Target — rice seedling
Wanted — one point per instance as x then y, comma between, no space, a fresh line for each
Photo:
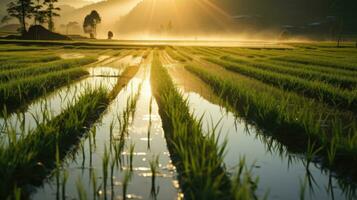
82,195
94,184
126,179
38,147
15,62
131,155
201,177
174,55
19,92
64,182
319,62
333,79
38,69
323,92
105,164
154,165
266,110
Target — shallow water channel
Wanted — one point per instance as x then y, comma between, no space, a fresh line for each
144,141
282,174
103,75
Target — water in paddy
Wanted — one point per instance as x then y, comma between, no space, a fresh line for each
280,172
145,134
103,75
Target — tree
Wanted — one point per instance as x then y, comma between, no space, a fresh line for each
39,14
21,10
110,35
51,13
344,10
90,23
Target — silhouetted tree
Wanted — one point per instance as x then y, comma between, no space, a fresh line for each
21,10
51,12
110,35
90,23
39,14
344,10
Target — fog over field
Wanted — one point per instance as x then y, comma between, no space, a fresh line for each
204,19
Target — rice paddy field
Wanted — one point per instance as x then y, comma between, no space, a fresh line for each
178,121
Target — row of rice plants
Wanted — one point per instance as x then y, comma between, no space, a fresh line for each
333,79
286,115
37,69
319,62
27,158
31,156
314,68
16,93
174,54
198,158
16,61
342,98
182,53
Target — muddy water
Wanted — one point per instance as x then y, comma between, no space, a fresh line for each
281,173
103,75
145,132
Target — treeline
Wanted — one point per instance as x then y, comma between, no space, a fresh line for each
39,11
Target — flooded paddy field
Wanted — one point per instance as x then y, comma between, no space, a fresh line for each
275,121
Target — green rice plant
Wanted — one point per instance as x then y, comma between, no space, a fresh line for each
323,92
154,165
323,70
319,62
311,152
39,69
301,117
19,92
131,155
64,182
82,194
201,177
333,79
38,147
94,184
105,164
126,180
183,53
16,62
243,183
174,55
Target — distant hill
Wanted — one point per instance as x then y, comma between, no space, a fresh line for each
192,17
11,28
174,17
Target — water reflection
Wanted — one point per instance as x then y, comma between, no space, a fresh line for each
283,174
127,170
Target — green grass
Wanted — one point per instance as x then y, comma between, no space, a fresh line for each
26,158
201,177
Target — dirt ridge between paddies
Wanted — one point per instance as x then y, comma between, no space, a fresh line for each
30,159
197,156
